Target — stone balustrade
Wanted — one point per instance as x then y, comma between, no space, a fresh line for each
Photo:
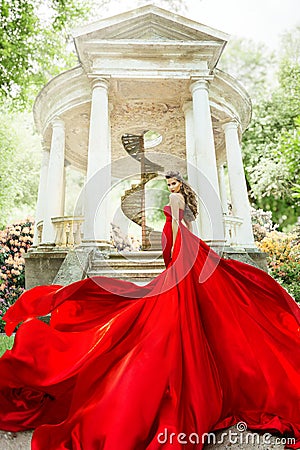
232,223
68,230
39,231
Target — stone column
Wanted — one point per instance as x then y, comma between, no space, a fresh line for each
191,157
238,187
55,181
42,192
222,186
210,208
223,196
98,181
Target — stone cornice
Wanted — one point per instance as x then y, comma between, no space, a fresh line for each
73,88
130,58
145,35
125,20
65,91
235,101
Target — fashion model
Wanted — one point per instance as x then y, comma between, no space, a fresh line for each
206,344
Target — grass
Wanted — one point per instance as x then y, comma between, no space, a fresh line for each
5,343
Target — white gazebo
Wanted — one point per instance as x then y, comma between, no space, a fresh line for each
144,69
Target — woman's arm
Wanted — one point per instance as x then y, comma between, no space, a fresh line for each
175,202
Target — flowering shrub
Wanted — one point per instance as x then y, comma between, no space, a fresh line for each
15,240
261,223
283,260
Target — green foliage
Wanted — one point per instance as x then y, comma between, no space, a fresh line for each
19,166
15,241
271,143
33,48
288,275
271,148
6,343
251,63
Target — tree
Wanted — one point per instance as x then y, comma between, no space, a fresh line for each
19,174
252,64
34,35
271,147
33,44
271,143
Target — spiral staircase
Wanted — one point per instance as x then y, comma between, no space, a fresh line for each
133,200
139,267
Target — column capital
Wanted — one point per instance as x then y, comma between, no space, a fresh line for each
102,83
231,125
200,83
57,122
187,106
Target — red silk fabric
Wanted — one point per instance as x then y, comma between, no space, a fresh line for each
206,344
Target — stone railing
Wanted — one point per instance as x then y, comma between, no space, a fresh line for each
67,230
39,231
231,226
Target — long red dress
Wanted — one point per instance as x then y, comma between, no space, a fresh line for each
206,344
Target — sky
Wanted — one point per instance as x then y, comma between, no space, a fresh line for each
260,20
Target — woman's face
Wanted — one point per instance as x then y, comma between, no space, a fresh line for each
173,184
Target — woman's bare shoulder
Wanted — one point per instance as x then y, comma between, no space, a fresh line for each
176,198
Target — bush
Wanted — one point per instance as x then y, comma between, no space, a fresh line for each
283,260
261,223
15,240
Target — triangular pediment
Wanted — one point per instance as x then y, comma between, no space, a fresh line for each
150,23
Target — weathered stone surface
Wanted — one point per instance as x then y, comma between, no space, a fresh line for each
42,267
256,259
140,266
234,440
74,266
15,441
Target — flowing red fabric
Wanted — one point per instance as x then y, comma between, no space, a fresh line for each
208,343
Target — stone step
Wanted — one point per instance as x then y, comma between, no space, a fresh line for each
126,268
127,262
140,266
148,255
129,275
128,272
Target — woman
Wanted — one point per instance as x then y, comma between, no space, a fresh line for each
129,367
182,201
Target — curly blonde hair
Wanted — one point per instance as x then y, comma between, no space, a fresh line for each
190,199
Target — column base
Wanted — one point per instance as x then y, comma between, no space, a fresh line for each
46,247
215,242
